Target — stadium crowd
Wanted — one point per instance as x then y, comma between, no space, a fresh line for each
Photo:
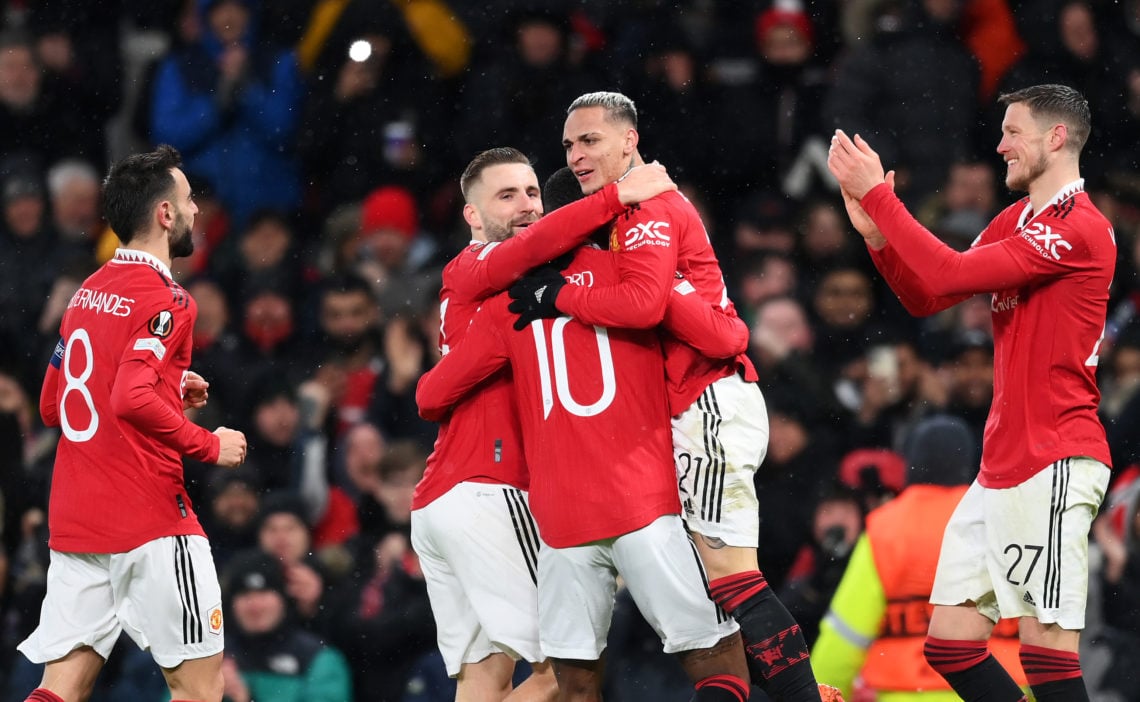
324,140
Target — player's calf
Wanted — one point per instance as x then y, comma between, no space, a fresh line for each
777,652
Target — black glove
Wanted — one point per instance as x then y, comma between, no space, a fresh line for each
533,296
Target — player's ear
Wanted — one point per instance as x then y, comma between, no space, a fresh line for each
166,214
1058,135
631,140
471,216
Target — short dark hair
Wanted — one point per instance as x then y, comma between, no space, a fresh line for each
134,186
346,284
484,160
1059,102
560,189
619,108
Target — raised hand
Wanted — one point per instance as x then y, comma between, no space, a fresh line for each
854,164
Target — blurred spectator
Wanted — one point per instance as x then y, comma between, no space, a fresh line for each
389,245
27,583
351,342
230,104
216,353
30,260
925,119
284,533
771,120
672,97
895,387
1116,534
762,277
78,46
385,486
837,523
825,236
875,475
265,252
765,223
381,615
842,311
372,117
269,342
961,210
268,655
800,461
73,187
520,97
782,347
38,125
230,517
970,380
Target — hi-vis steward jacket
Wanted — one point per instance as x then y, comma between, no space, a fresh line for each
876,625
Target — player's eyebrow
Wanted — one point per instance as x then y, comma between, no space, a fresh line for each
508,189
580,137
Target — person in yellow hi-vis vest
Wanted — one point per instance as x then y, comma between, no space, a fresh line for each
876,625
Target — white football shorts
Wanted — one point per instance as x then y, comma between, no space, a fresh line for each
478,548
164,594
718,444
661,570
1023,551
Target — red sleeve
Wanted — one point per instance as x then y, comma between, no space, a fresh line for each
646,240
914,295
482,353
702,325
135,399
49,409
942,270
499,264
49,404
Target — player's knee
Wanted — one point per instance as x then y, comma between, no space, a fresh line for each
948,657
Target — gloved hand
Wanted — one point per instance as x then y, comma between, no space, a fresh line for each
533,296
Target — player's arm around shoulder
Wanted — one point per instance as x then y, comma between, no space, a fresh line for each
644,242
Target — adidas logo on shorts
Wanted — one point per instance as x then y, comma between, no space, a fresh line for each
1029,598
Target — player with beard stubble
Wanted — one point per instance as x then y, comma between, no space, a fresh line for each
127,550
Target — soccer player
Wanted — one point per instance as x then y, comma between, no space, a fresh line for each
1017,544
127,551
719,420
594,418
471,524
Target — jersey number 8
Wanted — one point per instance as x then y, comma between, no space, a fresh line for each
78,384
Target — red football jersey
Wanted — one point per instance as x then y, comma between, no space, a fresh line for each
1049,274
656,240
479,440
593,409
115,388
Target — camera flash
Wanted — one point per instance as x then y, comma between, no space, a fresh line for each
360,50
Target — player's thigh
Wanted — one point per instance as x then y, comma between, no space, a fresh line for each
78,609
478,548
576,588
168,598
718,444
1037,534
660,567
962,575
